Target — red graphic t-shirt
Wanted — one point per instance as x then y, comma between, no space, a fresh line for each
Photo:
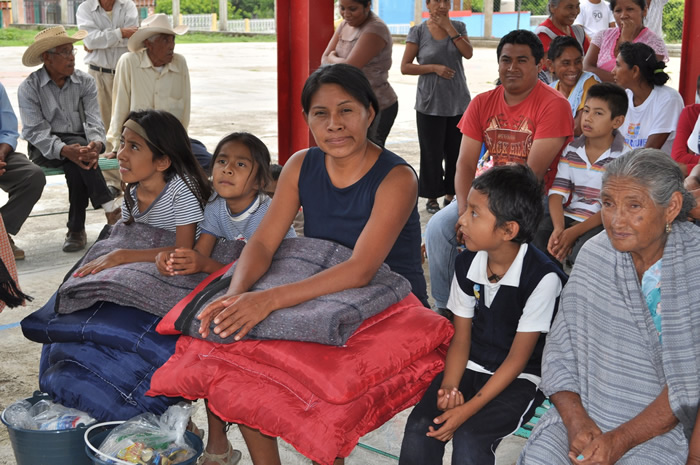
508,131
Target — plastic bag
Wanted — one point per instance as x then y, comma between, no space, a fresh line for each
45,415
148,438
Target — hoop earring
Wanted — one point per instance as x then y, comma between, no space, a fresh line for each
669,228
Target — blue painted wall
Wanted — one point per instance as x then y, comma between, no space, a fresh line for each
401,12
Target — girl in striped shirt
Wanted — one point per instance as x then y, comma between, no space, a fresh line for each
240,173
166,187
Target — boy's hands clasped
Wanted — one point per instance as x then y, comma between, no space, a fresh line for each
449,399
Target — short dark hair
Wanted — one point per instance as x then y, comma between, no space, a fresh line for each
612,94
258,150
522,37
515,194
350,78
559,44
364,3
275,171
644,57
640,3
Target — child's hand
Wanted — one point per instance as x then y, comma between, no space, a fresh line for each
449,397
450,420
101,263
185,261
566,244
553,243
162,263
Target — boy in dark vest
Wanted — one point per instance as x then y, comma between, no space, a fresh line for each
504,296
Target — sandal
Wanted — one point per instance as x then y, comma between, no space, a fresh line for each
230,457
432,206
192,428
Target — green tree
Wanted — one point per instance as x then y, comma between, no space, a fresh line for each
673,21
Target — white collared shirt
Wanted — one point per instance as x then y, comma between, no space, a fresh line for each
104,37
138,85
538,311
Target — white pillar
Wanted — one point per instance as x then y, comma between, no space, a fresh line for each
176,13
64,11
418,12
15,11
488,18
223,15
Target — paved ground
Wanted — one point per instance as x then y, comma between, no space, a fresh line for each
233,89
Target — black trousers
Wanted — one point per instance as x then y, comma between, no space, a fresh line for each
439,140
475,441
83,185
381,126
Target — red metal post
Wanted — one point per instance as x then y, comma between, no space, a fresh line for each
690,51
304,28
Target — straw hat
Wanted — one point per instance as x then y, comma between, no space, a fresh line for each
154,24
46,40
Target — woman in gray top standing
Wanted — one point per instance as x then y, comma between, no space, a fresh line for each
364,41
442,96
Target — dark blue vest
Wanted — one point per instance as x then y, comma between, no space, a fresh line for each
494,328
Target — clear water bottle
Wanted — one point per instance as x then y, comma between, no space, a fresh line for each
18,415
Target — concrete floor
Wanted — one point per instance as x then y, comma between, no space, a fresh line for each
233,89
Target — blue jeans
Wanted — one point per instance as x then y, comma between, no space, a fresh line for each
441,248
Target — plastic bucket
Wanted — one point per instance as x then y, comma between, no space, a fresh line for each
95,435
31,447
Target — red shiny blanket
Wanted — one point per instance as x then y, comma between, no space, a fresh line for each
319,398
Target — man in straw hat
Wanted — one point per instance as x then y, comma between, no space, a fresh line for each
153,77
62,126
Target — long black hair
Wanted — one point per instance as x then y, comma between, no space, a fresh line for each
168,138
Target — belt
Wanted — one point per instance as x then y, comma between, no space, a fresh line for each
101,70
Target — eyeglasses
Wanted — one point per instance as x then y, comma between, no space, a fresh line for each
66,53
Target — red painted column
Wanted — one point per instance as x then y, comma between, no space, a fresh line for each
304,28
690,51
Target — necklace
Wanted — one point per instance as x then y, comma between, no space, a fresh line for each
493,277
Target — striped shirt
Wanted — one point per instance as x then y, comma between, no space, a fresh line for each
175,206
47,109
220,222
582,180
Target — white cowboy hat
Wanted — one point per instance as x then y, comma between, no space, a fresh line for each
154,24
46,40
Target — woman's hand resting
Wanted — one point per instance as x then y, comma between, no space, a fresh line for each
235,313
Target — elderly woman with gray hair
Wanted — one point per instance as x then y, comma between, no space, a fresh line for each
622,361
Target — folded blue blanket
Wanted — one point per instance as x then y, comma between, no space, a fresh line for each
101,359
329,319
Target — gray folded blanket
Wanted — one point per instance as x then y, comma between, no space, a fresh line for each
138,285
330,319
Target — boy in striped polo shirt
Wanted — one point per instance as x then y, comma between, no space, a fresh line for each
574,198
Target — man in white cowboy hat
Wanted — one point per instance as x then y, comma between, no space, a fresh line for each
62,126
153,77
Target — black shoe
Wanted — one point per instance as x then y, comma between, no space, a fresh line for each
446,202
114,191
75,241
432,206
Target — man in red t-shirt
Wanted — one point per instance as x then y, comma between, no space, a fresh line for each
521,121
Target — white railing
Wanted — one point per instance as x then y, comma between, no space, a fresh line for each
399,28
210,23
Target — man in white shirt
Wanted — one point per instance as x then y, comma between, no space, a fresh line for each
595,16
109,24
654,19
151,76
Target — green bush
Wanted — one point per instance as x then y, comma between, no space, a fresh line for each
237,9
673,21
